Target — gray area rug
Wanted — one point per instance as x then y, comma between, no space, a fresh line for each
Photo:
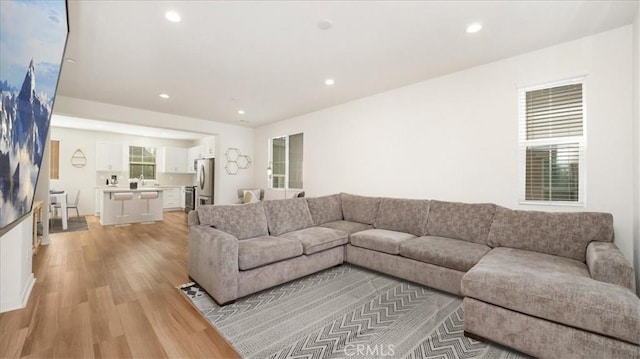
74,224
345,312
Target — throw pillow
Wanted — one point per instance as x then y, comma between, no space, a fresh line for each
250,196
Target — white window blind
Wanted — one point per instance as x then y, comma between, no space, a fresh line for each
552,146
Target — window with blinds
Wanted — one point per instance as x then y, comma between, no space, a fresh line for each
552,143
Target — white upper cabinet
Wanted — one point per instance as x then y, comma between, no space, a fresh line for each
174,160
109,156
192,155
208,147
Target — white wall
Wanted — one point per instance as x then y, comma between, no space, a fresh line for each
636,99
16,274
227,136
456,137
16,277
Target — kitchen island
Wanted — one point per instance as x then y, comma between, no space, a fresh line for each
140,208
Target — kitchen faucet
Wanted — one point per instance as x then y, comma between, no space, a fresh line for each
141,179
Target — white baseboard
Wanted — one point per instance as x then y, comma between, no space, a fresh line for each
21,302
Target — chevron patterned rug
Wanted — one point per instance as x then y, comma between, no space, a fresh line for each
345,312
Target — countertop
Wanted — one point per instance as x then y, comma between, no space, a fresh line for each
146,188
125,189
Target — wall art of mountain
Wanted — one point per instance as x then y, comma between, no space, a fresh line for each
28,30
24,119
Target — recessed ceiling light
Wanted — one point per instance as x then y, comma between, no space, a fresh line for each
329,82
325,24
172,16
164,95
473,28
240,112
71,60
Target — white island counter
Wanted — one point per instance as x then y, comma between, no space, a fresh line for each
135,209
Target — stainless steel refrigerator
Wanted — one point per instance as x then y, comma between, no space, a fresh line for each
204,185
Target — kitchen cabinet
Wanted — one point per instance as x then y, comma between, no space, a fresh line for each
208,147
171,198
174,160
193,153
109,156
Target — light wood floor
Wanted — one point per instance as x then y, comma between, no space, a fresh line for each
110,292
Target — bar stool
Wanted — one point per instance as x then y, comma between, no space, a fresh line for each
122,196
148,196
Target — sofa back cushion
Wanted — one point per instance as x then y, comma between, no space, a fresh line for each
359,208
287,215
403,215
325,209
561,234
242,221
466,221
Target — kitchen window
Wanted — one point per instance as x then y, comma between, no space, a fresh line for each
285,161
552,143
142,161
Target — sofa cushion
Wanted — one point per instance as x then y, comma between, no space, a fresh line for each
316,239
347,226
325,209
466,221
554,288
562,234
256,252
242,221
381,240
445,252
403,215
359,208
287,215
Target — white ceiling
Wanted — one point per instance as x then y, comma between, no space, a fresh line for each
271,59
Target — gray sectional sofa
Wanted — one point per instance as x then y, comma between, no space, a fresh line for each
548,284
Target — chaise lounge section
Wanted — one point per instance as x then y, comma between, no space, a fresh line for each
547,284
554,275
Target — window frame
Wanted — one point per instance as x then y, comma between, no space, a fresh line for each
143,163
524,144
270,174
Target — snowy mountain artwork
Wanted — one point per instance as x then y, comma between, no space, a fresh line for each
32,38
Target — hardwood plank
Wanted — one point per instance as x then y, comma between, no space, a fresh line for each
44,325
116,348
140,335
74,338
105,320
11,343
